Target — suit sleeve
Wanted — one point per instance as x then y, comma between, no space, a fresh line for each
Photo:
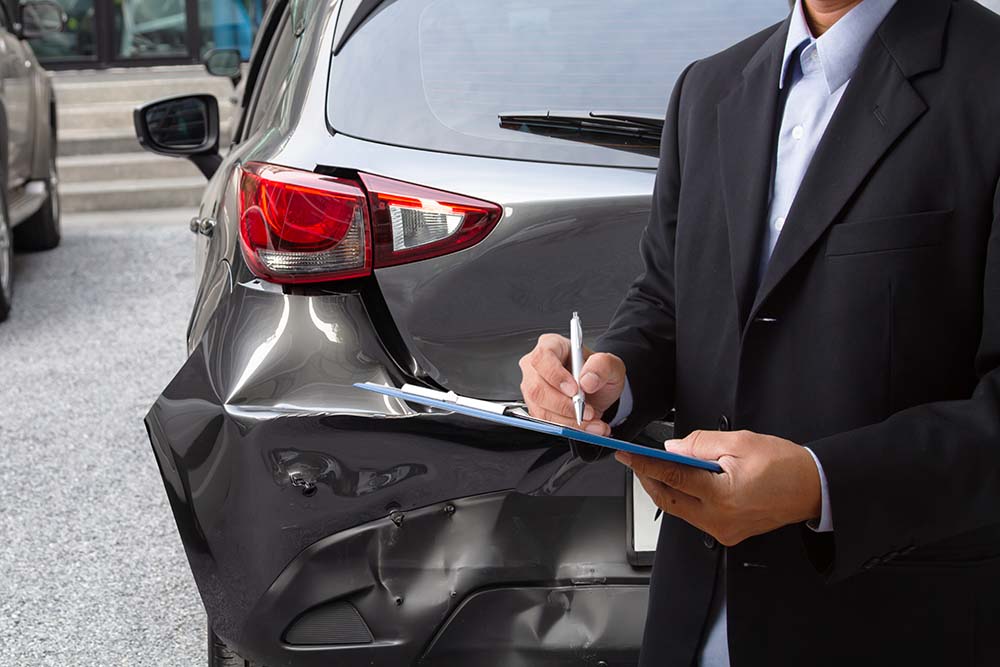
925,474
642,331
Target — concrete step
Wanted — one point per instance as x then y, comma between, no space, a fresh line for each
112,115
88,142
175,217
131,194
84,88
161,72
117,140
126,166
102,167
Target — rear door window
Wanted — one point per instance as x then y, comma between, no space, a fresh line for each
272,85
436,74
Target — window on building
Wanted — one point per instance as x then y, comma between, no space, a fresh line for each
77,41
112,32
229,24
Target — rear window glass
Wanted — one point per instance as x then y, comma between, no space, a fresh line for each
435,74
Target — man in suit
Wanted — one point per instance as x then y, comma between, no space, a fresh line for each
820,304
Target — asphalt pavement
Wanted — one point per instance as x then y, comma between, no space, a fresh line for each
92,571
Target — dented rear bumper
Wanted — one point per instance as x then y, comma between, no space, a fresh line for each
499,579
325,525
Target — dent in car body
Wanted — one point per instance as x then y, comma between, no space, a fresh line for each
267,451
510,579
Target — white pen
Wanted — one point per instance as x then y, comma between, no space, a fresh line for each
576,345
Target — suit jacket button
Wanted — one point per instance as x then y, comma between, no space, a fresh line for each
723,423
708,541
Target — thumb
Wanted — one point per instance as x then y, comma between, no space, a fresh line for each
705,445
600,370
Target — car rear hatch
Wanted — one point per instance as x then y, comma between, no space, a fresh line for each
512,86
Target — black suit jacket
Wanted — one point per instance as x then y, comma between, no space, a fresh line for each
874,339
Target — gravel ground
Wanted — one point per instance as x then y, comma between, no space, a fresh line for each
92,571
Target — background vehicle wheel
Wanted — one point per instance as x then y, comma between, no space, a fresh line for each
42,231
6,261
220,655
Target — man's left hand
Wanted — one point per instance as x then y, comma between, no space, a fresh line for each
768,482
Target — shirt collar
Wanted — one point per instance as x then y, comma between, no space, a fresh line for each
840,47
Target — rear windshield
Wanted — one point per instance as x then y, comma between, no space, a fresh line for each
435,74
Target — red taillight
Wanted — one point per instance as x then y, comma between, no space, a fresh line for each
299,226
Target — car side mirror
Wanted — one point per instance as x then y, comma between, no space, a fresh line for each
185,126
41,17
225,62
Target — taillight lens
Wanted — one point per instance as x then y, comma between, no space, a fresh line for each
299,226
412,222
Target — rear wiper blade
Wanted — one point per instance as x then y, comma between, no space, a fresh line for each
651,120
613,129
613,119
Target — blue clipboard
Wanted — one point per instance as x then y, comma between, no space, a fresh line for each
543,427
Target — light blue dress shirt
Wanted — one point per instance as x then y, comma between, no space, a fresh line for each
814,75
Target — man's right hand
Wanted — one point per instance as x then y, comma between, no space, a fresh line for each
548,386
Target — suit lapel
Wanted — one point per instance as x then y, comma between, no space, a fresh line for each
879,105
748,121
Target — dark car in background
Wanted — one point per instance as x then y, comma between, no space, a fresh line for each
415,191
29,196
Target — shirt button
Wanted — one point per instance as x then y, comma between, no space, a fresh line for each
723,423
778,224
798,132
708,541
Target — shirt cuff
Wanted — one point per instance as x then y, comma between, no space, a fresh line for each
825,523
624,406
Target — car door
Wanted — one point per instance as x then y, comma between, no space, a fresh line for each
15,90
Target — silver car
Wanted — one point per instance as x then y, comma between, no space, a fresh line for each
416,189
29,196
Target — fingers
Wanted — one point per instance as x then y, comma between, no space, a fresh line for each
542,373
540,396
599,370
595,426
556,344
696,512
707,445
551,368
672,501
548,386
701,484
